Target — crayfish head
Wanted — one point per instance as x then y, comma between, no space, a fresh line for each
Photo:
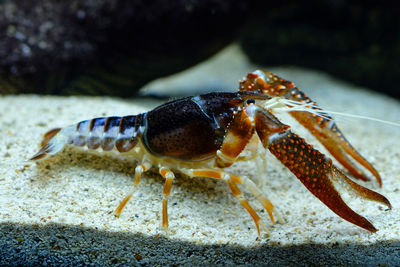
266,83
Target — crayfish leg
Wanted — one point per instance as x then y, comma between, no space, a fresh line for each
317,173
141,168
169,178
231,181
268,206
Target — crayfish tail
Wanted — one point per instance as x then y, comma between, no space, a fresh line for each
51,144
317,173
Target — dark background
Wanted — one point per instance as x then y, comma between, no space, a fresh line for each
109,47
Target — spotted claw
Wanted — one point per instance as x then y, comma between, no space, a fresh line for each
320,176
323,128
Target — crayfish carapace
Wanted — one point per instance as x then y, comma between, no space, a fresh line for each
202,135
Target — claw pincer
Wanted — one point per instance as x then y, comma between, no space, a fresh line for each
318,174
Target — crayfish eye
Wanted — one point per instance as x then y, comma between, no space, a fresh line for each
250,101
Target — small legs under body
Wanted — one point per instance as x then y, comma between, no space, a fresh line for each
231,181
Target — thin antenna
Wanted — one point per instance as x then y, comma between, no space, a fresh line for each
287,105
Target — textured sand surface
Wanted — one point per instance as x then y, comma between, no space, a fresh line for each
60,211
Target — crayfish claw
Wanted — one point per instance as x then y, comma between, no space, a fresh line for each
334,141
318,173
318,122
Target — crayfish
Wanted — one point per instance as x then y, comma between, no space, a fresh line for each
201,135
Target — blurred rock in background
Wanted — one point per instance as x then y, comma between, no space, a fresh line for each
108,47
104,47
358,41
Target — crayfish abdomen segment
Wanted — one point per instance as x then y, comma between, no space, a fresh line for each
108,132
122,133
